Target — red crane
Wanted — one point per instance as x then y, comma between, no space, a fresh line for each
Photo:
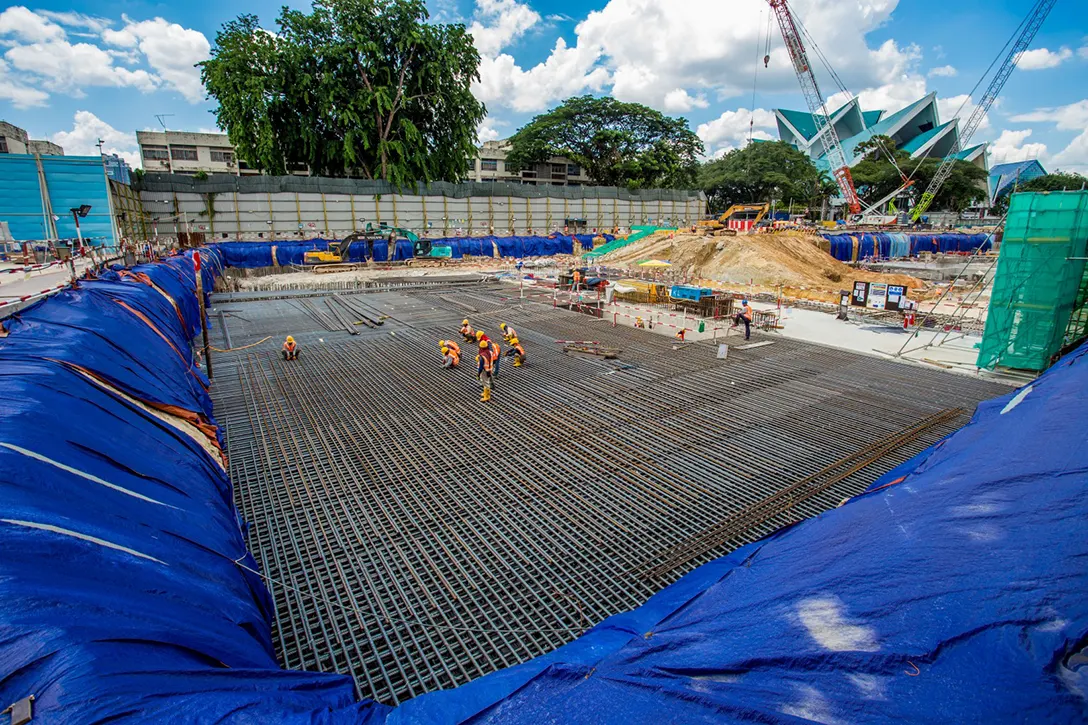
836,157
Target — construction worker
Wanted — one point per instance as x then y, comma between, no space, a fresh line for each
680,334
290,349
639,323
451,353
485,369
508,333
467,332
576,283
481,336
516,351
745,316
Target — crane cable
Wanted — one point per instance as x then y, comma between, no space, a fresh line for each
755,75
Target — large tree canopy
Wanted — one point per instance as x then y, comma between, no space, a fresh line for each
763,172
618,144
875,176
363,87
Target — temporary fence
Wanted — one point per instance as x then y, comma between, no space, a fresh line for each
1037,305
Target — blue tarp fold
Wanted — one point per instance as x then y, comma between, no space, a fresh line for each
888,245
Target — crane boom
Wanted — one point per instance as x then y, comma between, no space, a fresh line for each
811,90
1031,27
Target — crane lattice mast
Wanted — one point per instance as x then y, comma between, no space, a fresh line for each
832,145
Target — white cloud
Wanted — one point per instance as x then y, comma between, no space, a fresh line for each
647,49
1041,58
76,20
1082,52
171,50
72,67
500,22
486,131
944,71
680,100
20,95
87,129
1072,117
960,107
1010,146
28,26
730,130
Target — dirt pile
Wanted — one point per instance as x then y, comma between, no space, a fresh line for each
788,259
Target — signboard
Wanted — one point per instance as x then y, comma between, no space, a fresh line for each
723,351
860,294
878,295
897,294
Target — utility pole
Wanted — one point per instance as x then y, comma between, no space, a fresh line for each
203,317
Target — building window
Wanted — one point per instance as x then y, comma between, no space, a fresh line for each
573,169
3,145
528,174
489,165
183,153
223,157
155,154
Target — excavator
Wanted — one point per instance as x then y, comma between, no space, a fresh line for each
718,226
336,258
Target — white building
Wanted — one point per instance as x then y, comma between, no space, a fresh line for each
490,165
14,140
180,152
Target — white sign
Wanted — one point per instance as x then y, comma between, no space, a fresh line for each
723,351
878,295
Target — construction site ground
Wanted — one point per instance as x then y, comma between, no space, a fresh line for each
416,538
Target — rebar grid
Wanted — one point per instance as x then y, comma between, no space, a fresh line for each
426,538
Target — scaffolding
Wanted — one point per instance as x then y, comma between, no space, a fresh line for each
1038,302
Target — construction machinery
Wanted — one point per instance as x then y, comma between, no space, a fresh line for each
338,251
1028,28
720,225
825,130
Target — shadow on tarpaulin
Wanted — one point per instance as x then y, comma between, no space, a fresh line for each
954,586
249,255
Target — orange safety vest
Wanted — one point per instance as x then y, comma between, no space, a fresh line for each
456,355
454,347
747,312
467,331
495,349
290,346
487,357
520,350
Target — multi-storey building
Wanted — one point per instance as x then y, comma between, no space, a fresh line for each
490,165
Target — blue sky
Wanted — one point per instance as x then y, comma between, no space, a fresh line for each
78,71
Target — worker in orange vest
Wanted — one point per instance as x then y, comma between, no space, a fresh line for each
467,332
680,334
451,353
745,316
485,369
290,349
516,351
576,283
508,333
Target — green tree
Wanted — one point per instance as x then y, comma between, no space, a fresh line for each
875,176
1060,181
356,86
618,144
763,172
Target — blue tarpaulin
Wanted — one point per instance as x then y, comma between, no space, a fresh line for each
953,590
888,245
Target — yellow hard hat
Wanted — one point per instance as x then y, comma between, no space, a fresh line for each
483,344
502,325
479,334
290,339
464,322
441,343
445,349
514,341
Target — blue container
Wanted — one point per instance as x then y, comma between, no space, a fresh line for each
689,292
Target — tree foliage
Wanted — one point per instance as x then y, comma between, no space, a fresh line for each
763,172
875,176
1060,181
618,144
363,87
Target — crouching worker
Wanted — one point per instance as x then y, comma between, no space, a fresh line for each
485,369
467,332
290,349
517,352
451,353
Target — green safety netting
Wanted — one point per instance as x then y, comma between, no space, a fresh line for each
637,233
1038,303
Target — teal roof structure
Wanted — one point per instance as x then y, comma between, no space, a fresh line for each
803,122
871,117
921,140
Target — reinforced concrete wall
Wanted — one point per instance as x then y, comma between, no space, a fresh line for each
236,208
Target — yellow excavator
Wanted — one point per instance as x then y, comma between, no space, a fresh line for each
718,225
